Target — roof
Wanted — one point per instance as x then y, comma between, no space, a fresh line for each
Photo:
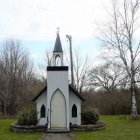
76,93
58,46
70,88
45,88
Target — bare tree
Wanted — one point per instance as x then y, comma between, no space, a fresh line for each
107,76
15,72
48,58
81,68
43,66
119,39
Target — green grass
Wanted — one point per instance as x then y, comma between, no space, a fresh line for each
117,128
7,134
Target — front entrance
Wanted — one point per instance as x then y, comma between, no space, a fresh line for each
58,111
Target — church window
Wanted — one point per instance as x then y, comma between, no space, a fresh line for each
58,60
74,111
43,111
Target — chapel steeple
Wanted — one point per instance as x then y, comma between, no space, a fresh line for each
58,52
58,46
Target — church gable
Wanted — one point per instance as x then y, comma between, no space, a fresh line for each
44,90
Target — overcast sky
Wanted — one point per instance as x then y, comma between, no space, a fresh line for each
34,22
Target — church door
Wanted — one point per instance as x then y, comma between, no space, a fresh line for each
58,111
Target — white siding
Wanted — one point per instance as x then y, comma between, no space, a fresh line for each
58,80
75,100
39,102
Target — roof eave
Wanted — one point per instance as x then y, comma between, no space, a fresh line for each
36,97
76,92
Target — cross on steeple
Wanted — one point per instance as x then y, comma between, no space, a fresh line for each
58,30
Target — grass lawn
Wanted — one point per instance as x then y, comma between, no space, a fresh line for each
7,134
117,128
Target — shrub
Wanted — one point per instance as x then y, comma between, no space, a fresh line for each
28,117
89,116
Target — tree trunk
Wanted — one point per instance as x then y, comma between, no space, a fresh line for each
134,113
5,109
134,107
2,107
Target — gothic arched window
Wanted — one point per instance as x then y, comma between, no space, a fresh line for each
58,60
74,111
43,111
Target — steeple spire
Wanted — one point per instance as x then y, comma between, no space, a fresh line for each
58,52
58,46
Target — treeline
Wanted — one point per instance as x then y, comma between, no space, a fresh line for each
115,103
106,87
18,82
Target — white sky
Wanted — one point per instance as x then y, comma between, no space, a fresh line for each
38,19
34,22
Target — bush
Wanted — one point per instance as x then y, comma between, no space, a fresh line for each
89,117
28,117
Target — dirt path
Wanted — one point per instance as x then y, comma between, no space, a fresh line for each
57,136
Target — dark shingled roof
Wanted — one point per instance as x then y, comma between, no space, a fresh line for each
70,88
58,46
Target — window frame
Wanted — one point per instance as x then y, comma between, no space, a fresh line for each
74,111
43,111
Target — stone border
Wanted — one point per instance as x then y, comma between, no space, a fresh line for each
32,128
92,127
74,128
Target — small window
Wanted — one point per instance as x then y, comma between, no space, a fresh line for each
58,61
43,111
74,111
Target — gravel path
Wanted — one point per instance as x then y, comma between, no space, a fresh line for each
57,136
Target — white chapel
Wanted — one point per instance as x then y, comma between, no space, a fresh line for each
58,104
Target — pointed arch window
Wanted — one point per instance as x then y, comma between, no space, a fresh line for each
43,111
58,60
74,111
